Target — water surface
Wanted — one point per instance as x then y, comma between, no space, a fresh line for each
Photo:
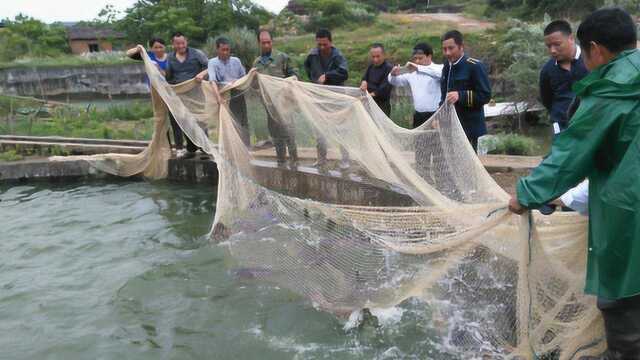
126,271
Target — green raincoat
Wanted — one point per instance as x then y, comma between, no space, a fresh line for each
602,143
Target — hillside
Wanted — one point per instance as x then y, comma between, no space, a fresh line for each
398,33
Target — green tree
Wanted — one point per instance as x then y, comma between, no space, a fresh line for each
27,37
197,19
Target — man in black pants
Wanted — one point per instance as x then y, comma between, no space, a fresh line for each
325,65
184,64
466,85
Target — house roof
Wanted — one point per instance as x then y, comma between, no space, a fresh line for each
91,33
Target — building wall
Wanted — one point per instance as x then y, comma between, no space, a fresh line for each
79,47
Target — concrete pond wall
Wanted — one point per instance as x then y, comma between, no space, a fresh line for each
122,79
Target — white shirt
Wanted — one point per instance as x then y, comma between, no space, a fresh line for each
578,198
425,86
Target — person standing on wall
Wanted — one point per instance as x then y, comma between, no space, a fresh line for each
225,69
466,85
374,80
325,65
276,63
184,63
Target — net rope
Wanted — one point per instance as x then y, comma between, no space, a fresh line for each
508,286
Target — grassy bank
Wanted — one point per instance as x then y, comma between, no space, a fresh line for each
30,117
104,59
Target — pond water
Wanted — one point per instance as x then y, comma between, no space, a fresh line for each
125,271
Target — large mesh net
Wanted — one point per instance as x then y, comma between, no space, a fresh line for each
497,285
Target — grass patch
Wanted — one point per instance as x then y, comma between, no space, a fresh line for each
10,155
513,144
115,58
132,121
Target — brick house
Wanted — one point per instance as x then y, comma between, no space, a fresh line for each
84,39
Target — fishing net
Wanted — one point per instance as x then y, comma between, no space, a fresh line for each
415,215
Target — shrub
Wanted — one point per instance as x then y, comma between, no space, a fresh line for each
244,45
10,155
514,144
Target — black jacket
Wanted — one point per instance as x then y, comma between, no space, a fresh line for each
469,78
336,69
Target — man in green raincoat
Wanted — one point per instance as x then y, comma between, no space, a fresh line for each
602,143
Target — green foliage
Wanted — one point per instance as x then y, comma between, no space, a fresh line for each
522,55
514,144
92,59
25,36
10,155
332,14
197,19
244,45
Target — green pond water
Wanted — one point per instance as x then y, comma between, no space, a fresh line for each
126,271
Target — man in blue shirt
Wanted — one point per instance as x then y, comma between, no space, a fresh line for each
225,69
558,75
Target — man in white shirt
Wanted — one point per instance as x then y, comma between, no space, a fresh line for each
424,80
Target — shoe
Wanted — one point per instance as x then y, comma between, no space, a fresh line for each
180,152
344,164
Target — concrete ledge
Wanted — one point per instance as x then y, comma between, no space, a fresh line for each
304,182
330,186
46,170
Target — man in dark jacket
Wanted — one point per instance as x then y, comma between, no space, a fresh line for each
326,65
465,83
184,63
558,75
375,80
602,143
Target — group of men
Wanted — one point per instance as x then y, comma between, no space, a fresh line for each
591,90
462,81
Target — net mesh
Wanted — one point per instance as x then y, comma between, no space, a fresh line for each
498,285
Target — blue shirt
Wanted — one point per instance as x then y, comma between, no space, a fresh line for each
161,64
225,72
555,87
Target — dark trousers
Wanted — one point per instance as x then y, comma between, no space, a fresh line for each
385,106
622,327
283,137
420,118
179,137
238,107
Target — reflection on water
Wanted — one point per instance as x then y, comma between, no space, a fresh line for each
125,271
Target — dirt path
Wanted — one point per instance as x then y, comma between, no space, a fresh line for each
459,20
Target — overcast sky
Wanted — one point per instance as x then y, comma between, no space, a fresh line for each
75,10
